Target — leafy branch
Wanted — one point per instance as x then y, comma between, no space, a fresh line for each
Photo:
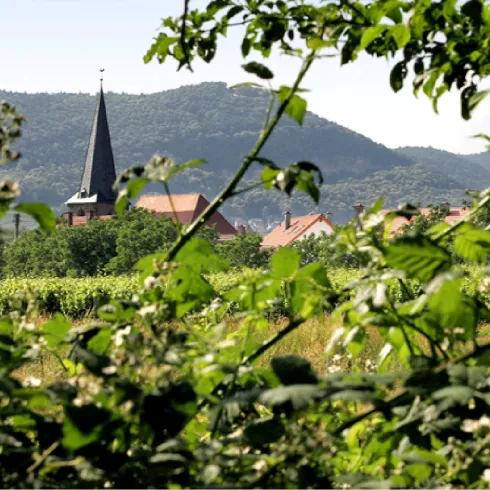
230,187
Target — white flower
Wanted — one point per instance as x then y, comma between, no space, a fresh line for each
486,475
120,334
78,402
109,370
337,358
150,282
146,310
127,406
32,381
484,421
484,285
470,425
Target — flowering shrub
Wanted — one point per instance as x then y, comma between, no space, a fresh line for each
160,393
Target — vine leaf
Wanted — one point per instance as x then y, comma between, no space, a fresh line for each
418,256
258,69
42,213
296,108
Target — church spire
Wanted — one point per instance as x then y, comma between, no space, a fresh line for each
99,174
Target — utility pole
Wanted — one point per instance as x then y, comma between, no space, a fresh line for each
16,225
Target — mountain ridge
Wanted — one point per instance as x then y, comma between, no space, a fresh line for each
219,124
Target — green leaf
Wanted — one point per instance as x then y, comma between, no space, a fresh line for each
234,11
135,186
122,204
210,473
246,84
354,395
55,330
268,176
147,264
370,34
472,243
100,342
397,75
285,262
296,108
315,43
297,396
246,45
457,394
258,69
200,255
308,290
73,439
293,370
395,15
42,213
476,98
450,308
418,256
401,34
264,431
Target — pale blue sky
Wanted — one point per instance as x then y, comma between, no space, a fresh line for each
59,45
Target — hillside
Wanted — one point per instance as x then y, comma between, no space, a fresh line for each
482,159
219,124
467,172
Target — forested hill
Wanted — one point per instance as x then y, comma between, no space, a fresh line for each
219,124
463,168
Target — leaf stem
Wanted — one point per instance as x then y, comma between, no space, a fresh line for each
183,43
293,325
174,212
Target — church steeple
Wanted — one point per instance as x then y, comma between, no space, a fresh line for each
95,195
99,173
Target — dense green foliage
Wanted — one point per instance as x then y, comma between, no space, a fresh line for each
218,123
102,247
161,393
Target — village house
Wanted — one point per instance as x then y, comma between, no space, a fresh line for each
186,208
294,228
96,198
451,214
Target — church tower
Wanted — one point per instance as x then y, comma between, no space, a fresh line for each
95,196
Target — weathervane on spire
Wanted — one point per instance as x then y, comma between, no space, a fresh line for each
101,75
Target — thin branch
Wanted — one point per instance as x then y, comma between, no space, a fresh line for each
174,212
293,325
251,187
43,456
183,43
269,108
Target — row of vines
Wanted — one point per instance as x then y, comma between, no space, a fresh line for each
78,298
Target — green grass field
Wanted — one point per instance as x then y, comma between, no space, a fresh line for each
79,299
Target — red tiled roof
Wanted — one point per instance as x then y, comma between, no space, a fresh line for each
455,214
187,208
280,237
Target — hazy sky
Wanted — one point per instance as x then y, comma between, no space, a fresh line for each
59,45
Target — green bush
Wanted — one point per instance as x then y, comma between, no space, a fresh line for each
164,389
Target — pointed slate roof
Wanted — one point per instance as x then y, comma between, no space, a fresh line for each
99,173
